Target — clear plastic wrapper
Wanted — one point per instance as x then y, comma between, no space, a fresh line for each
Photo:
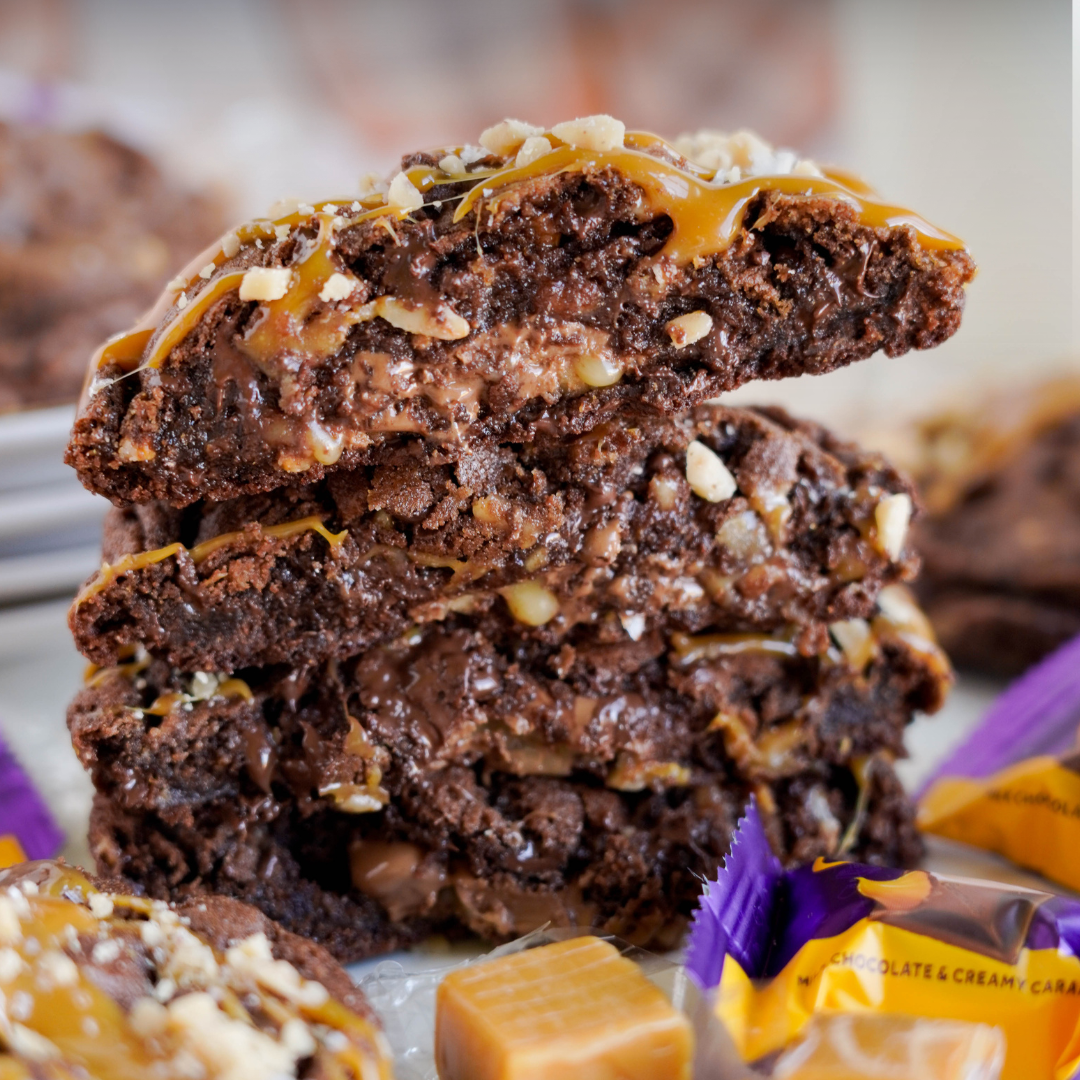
405,1002
839,969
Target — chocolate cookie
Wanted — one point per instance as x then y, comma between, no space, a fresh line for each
736,517
631,714
101,982
530,287
90,231
498,858
1002,544
408,744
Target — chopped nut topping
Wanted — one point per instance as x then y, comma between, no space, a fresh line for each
532,149
338,287
740,155
182,301
856,639
265,283
634,625
10,928
281,232
531,603
687,329
599,132
892,516
370,183
504,138
230,245
101,906
452,165
404,194
707,475
441,322
207,271
130,451
285,207
596,370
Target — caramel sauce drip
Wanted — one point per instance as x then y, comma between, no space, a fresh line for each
109,572
706,218
689,649
91,1033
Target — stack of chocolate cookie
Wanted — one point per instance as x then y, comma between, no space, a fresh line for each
435,595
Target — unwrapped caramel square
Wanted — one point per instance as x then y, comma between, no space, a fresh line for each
575,1010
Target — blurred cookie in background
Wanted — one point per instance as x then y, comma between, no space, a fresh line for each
1001,541
90,230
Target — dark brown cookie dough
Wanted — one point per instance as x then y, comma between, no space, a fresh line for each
90,231
631,715
604,527
498,858
1002,544
513,304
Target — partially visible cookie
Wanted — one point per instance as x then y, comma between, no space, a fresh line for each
95,981
90,230
1001,544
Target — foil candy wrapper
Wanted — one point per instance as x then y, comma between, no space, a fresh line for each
27,829
786,955
1013,786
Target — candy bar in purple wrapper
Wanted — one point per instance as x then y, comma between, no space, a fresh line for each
984,975
1013,787
23,814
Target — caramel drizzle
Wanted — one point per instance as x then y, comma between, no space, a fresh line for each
230,689
706,218
57,912
109,572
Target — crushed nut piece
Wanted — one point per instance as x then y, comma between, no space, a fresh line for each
892,516
596,370
707,475
531,603
688,328
230,245
370,184
505,137
533,148
337,287
452,165
101,906
265,283
855,638
207,271
129,450
281,232
440,322
403,193
285,207
599,132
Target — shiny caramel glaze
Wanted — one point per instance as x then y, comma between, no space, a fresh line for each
706,216
117,987
110,572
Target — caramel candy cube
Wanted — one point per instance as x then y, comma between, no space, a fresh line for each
575,1010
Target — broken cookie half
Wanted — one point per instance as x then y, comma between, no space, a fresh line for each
533,285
